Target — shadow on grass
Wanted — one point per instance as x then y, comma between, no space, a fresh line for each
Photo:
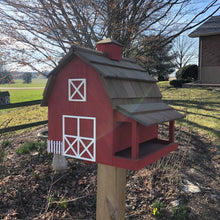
195,104
198,105
209,130
193,113
202,172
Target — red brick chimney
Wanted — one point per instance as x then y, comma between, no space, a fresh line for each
111,48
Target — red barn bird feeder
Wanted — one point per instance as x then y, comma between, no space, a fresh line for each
106,109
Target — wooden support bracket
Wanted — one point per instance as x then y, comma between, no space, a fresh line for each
134,142
171,131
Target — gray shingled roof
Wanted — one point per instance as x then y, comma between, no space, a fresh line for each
210,27
130,89
5,93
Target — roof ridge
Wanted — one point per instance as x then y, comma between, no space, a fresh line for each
76,48
79,48
119,66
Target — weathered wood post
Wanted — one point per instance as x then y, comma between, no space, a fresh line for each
111,183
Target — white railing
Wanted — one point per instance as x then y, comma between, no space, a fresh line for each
55,147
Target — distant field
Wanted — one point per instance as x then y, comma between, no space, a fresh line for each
200,105
22,95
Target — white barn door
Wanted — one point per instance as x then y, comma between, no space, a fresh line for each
79,137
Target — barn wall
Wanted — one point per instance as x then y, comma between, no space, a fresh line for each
97,105
123,134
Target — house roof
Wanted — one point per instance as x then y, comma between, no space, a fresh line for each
210,27
5,93
130,89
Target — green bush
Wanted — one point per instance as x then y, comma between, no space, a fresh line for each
27,77
179,212
157,209
179,74
30,146
5,143
189,72
163,78
27,148
2,155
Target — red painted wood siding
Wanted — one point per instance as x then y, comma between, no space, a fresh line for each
123,134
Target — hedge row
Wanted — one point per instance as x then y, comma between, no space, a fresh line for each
178,83
185,74
189,72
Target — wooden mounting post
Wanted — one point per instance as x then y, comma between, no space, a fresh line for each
111,183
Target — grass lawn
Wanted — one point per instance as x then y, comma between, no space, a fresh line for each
23,94
18,116
24,115
200,105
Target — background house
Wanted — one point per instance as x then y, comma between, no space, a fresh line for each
209,50
4,98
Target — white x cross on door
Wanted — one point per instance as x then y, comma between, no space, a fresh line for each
79,137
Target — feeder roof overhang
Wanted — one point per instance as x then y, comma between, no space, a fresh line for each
130,89
150,113
208,28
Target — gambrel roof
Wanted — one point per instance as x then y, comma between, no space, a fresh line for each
130,89
210,27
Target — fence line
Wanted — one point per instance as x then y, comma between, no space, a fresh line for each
20,104
23,126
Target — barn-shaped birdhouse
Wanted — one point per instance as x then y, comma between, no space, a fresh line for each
106,109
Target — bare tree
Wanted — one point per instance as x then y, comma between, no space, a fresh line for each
43,30
5,76
183,50
156,58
